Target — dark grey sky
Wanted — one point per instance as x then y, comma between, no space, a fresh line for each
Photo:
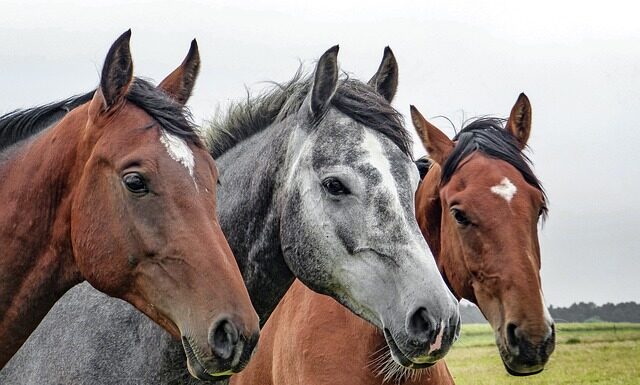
578,62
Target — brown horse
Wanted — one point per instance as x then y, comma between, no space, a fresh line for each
478,207
121,193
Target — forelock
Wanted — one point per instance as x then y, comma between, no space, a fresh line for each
488,136
355,99
172,116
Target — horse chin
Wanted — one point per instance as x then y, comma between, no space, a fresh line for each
513,367
522,374
196,367
399,357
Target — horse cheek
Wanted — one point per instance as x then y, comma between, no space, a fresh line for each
94,218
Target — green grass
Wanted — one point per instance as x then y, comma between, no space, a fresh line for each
589,353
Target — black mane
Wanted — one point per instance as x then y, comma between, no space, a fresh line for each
357,100
173,117
488,136
424,165
21,124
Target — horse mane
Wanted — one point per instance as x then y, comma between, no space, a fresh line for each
424,165
23,123
357,100
173,117
488,136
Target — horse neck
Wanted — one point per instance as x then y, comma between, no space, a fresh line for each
429,217
36,263
448,258
429,209
252,175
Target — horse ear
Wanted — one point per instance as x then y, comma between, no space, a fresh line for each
117,73
325,81
437,144
519,123
179,84
385,80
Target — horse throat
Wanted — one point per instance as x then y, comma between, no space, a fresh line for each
252,178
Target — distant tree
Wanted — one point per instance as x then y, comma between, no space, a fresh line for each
590,312
577,312
470,314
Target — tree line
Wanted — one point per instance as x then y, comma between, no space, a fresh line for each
577,312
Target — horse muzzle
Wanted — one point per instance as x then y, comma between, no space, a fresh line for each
521,356
227,352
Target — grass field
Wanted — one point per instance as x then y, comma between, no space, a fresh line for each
588,353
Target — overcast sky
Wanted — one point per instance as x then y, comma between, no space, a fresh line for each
578,62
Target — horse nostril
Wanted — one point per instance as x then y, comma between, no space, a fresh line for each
420,327
512,337
223,339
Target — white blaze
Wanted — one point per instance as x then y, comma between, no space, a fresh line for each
178,150
505,189
378,159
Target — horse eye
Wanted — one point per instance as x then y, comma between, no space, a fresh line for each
135,183
459,216
335,187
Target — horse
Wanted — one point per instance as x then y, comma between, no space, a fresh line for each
120,192
478,207
317,183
